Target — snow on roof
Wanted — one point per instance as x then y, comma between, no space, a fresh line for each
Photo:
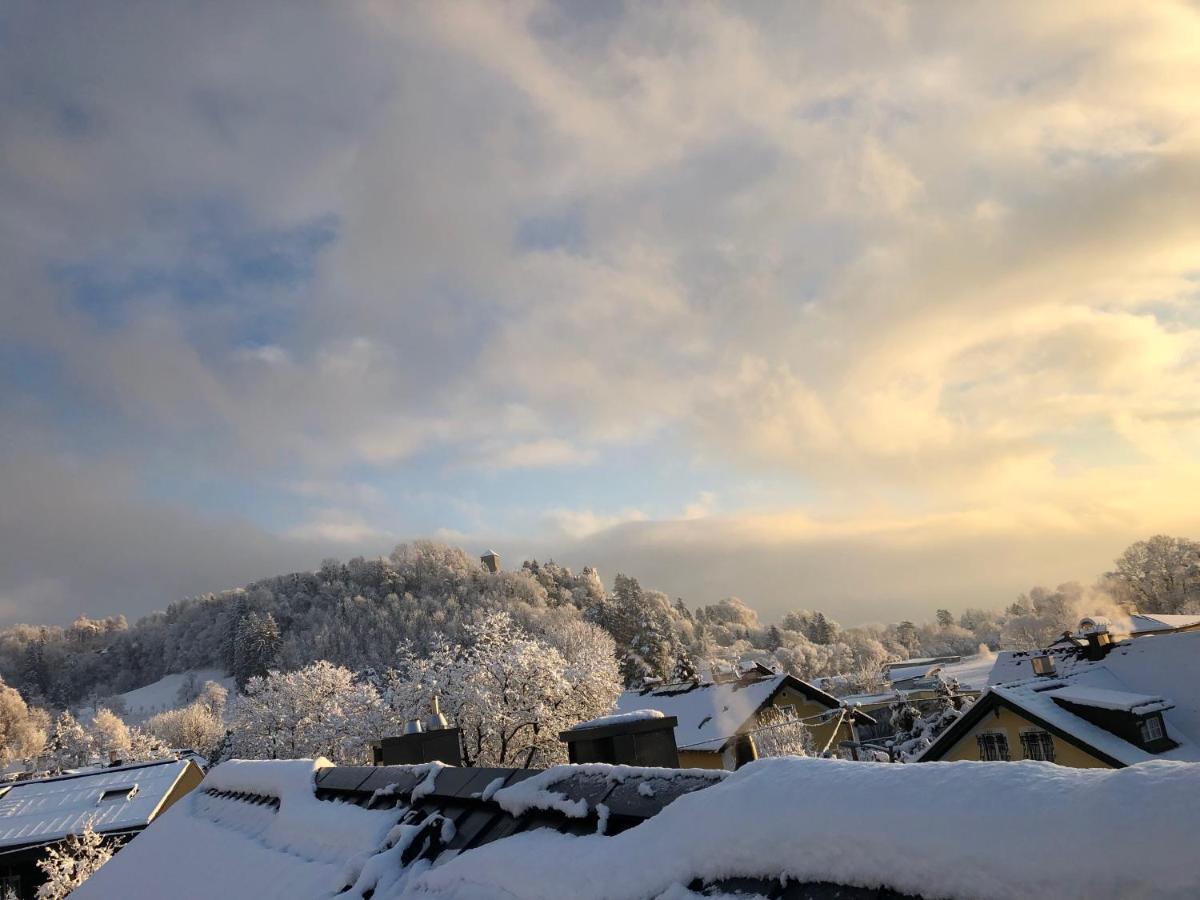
302,830
747,826
1101,698
636,715
972,672
49,809
920,661
1163,667
204,847
1142,622
904,674
709,714
743,824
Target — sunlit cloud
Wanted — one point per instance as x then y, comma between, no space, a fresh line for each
851,276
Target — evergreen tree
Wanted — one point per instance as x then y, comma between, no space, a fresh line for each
821,629
257,647
774,638
685,667
68,742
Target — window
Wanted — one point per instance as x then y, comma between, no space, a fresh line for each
788,712
993,747
1037,745
1152,729
125,792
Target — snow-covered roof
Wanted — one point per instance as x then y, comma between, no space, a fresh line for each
920,661
1101,698
1140,623
118,799
1145,674
711,714
970,673
303,829
260,831
908,672
637,715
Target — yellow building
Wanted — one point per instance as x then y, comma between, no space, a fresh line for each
715,718
1088,704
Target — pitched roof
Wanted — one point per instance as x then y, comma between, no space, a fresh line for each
1142,675
303,831
710,715
1141,623
123,798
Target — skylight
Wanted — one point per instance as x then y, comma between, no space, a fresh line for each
124,792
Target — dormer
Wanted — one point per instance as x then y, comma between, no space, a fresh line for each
1136,718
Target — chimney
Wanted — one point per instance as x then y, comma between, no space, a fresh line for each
623,741
1099,641
436,721
1043,665
433,741
491,561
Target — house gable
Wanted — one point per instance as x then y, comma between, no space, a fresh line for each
994,714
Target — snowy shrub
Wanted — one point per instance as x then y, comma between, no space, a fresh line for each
195,727
69,864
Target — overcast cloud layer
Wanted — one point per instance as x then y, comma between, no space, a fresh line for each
859,305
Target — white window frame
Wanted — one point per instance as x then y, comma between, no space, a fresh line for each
1152,724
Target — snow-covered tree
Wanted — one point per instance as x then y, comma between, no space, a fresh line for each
22,730
69,743
109,733
779,734
685,667
511,693
144,746
257,646
1160,574
195,727
917,730
319,710
70,863
213,697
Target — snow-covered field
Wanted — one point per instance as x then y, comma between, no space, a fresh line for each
143,702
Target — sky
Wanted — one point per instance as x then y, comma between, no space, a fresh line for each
865,306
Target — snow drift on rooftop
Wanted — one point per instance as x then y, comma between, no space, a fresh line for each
985,830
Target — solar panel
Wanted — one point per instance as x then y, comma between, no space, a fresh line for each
343,778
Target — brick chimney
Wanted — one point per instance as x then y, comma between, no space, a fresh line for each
491,561
1094,630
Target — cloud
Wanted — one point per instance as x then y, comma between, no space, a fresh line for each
78,538
861,270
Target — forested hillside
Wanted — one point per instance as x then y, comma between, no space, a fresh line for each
358,614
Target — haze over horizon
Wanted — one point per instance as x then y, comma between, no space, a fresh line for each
860,306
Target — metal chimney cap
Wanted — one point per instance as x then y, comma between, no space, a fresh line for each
436,721
413,726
